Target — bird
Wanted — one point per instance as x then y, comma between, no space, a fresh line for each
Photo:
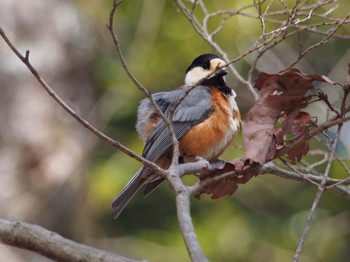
205,122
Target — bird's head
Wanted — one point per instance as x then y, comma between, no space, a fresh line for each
208,67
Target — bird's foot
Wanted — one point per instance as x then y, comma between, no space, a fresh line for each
207,163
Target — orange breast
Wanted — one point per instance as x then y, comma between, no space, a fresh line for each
210,138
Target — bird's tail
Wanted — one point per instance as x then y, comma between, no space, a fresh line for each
123,198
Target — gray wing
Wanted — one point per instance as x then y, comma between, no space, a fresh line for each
194,109
146,111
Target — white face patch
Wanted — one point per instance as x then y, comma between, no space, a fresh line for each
198,73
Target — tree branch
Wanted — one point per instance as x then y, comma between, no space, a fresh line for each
317,199
202,31
293,21
338,186
137,83
185,221
295,16
52,245
173,175
181,168
83,122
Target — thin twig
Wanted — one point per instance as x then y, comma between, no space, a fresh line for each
340,185
308,136
296,16
341,182
173,174
337,186
137,83
299,173
317,199
206,36
324,40
83,122
333,122
341,162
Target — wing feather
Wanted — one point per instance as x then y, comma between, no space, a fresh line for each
194,109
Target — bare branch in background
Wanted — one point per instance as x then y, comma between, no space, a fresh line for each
203,32
320,190
289,22
52,245
330,33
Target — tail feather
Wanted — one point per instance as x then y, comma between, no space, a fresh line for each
150,187
123,198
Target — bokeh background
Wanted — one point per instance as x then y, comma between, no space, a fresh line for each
56,174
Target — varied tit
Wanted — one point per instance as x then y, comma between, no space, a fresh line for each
205,123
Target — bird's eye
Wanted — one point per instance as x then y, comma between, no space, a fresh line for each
206,64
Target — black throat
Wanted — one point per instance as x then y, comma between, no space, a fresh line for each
219,83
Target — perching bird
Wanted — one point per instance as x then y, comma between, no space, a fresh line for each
204,122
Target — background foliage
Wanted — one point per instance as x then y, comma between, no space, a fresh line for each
71,46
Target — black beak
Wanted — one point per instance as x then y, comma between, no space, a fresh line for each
221,72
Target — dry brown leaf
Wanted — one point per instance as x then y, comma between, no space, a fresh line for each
225,181
298,128
282,95
298,152
282,98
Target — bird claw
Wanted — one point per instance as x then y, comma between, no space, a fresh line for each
207,163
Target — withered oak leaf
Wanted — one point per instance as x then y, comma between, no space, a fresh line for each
282,96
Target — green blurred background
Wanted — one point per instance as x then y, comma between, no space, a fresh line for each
56,174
